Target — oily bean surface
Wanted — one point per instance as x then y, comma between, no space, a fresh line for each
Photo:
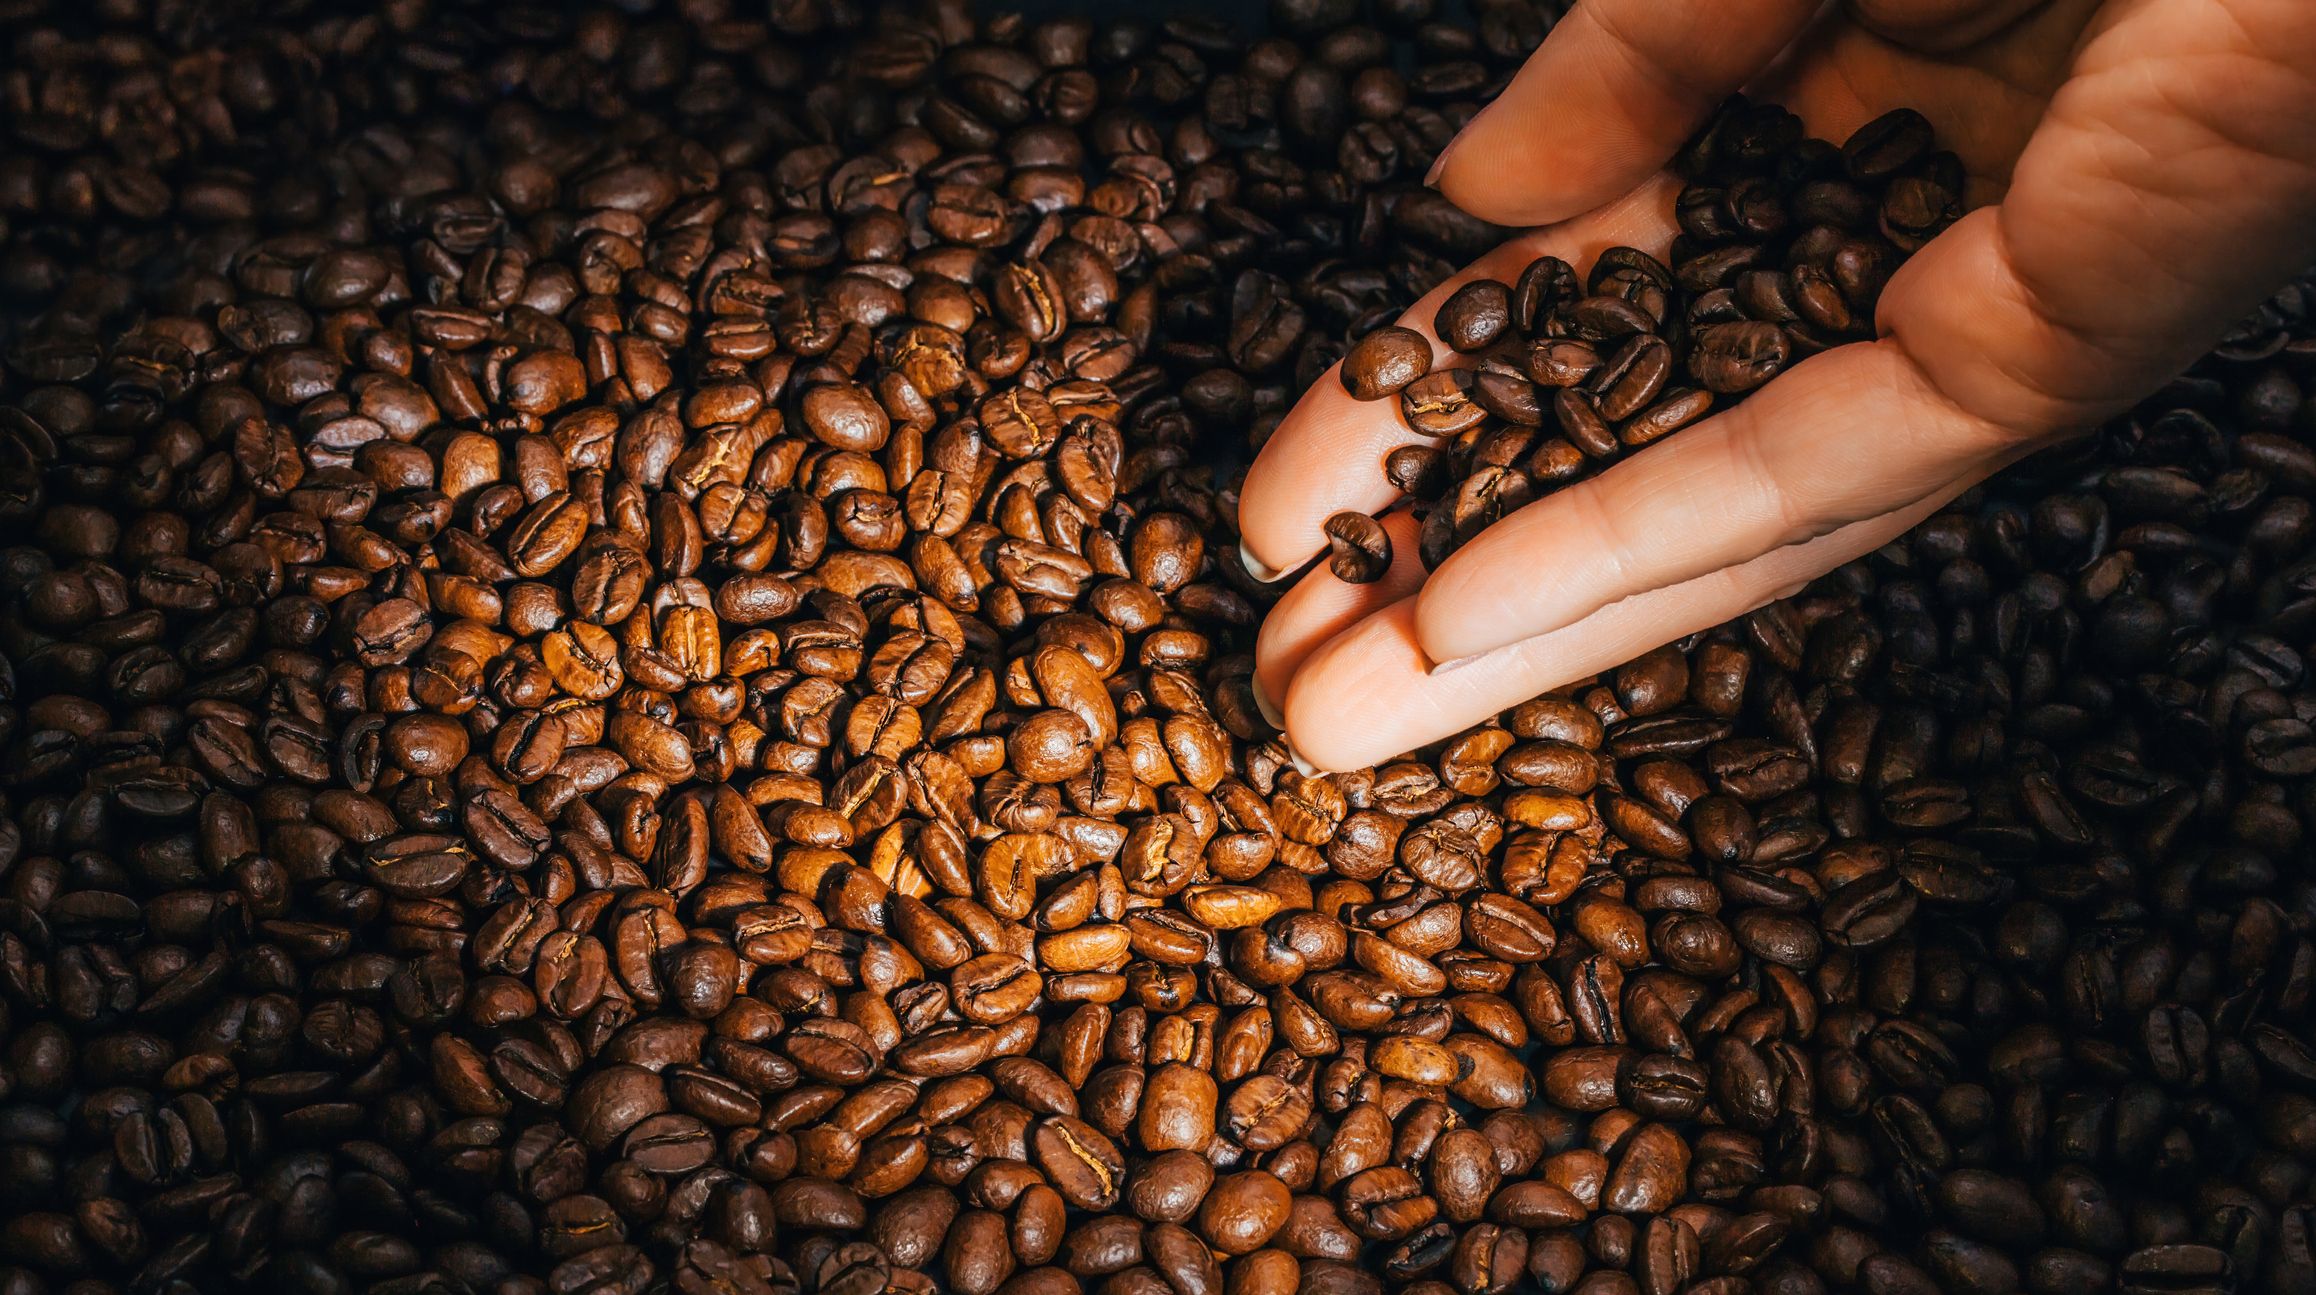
1359,548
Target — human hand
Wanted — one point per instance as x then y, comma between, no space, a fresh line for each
2143,172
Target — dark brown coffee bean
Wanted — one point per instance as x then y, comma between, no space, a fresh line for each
1082,1164
1243,1211
1360,549
1475,315
1735,358
1384,362
1441,404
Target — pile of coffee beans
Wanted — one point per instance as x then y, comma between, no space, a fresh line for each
625,670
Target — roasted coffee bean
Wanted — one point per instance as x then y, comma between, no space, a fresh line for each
1359,548
1475,315
1384,362
1441,404
1734,358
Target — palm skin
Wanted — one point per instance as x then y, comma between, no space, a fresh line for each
2142,173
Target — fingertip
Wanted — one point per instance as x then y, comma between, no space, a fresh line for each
1551,201
1256,567
1453,619
1532,157
1440,634
1320,606
1347,706
1325,457
1474,175
1274,659
1267,708
1305,725
1311,746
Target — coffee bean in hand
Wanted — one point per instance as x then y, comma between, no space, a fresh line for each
1474,315
1384,362
1359,549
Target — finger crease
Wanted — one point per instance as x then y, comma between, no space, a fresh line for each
1794,523
1617,552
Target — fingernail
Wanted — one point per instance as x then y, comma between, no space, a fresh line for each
1459,663
1255,566
1271,713
1295,758
1439,164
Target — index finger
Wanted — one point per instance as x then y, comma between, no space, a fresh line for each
1327,455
